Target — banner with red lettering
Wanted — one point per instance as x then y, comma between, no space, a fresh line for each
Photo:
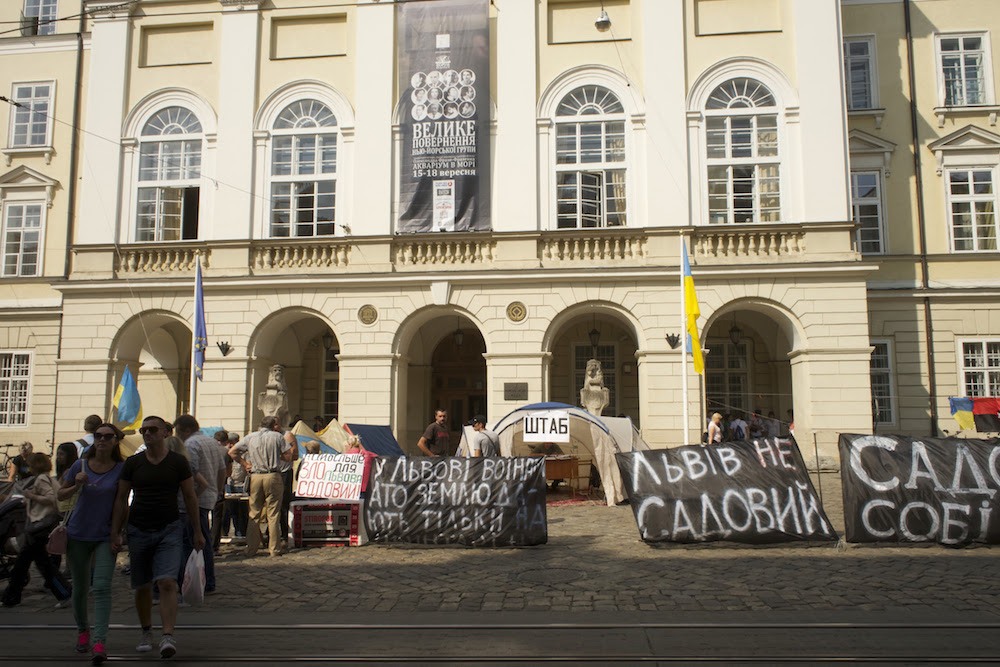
905,489
754,492
444,83
331,476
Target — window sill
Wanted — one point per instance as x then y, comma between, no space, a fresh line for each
875,114
989,110
45,151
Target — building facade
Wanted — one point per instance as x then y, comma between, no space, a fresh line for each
830,167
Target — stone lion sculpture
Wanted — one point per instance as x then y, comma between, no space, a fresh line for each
594,396
273,401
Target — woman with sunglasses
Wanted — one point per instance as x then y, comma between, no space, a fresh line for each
95,476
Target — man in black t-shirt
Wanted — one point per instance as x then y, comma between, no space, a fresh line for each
436,440
155,528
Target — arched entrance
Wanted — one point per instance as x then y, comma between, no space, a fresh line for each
305,345
156,345
441,366
747,366
573,344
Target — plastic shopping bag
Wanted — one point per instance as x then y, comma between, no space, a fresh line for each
193,589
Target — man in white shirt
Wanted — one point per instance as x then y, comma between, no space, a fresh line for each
207,458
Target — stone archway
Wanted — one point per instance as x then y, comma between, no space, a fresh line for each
156,345
304,343
440,364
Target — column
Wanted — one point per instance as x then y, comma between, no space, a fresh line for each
515,171
104,114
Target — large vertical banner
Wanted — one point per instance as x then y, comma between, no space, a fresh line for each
444,80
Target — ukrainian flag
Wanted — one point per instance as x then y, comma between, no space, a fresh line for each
127,402
961,410
692,311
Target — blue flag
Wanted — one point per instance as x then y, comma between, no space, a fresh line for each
127,401
200,336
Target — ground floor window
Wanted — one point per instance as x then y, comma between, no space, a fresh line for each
981,367
727,378
883,400
15,370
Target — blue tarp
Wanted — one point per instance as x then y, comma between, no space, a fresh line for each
377,439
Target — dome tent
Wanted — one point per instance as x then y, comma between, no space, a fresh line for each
587,435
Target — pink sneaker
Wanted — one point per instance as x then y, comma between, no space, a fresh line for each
83,641
99,655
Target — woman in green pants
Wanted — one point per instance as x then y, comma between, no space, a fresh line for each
95,477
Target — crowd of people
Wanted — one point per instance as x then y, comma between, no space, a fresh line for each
746,426
181,491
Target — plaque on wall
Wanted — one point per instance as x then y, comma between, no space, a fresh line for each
367,314
515,391
516,311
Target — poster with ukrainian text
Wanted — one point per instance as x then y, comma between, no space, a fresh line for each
444,82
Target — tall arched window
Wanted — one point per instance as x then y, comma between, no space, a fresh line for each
741,119
304,170
169,176
590,159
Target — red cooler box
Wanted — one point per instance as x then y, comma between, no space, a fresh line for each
322,523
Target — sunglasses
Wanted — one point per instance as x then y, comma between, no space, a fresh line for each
104,436
149,429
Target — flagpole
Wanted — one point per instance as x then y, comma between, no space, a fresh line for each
684,349
193,395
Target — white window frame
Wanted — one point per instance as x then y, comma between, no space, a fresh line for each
754,161
597,170
294,178
872,60
161,185
951,199
327,375
878,200
5,227
47,11
964,370
989,96
889,372
4,383
28,145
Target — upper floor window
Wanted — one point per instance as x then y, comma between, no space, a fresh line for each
981,367
590,159
29,122
972,203
859,72
42,11
169,176
304,170
22,238
866,207
744,184
963,63
15,374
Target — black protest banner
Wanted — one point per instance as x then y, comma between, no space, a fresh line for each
475,502
754,492
443,63
903,489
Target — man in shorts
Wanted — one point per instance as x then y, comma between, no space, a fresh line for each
155,528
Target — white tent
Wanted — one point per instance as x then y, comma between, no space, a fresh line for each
625,434
588,436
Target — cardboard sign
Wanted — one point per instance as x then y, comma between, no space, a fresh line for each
904,489
547,426
331,476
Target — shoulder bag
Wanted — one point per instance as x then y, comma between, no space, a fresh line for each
58,538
